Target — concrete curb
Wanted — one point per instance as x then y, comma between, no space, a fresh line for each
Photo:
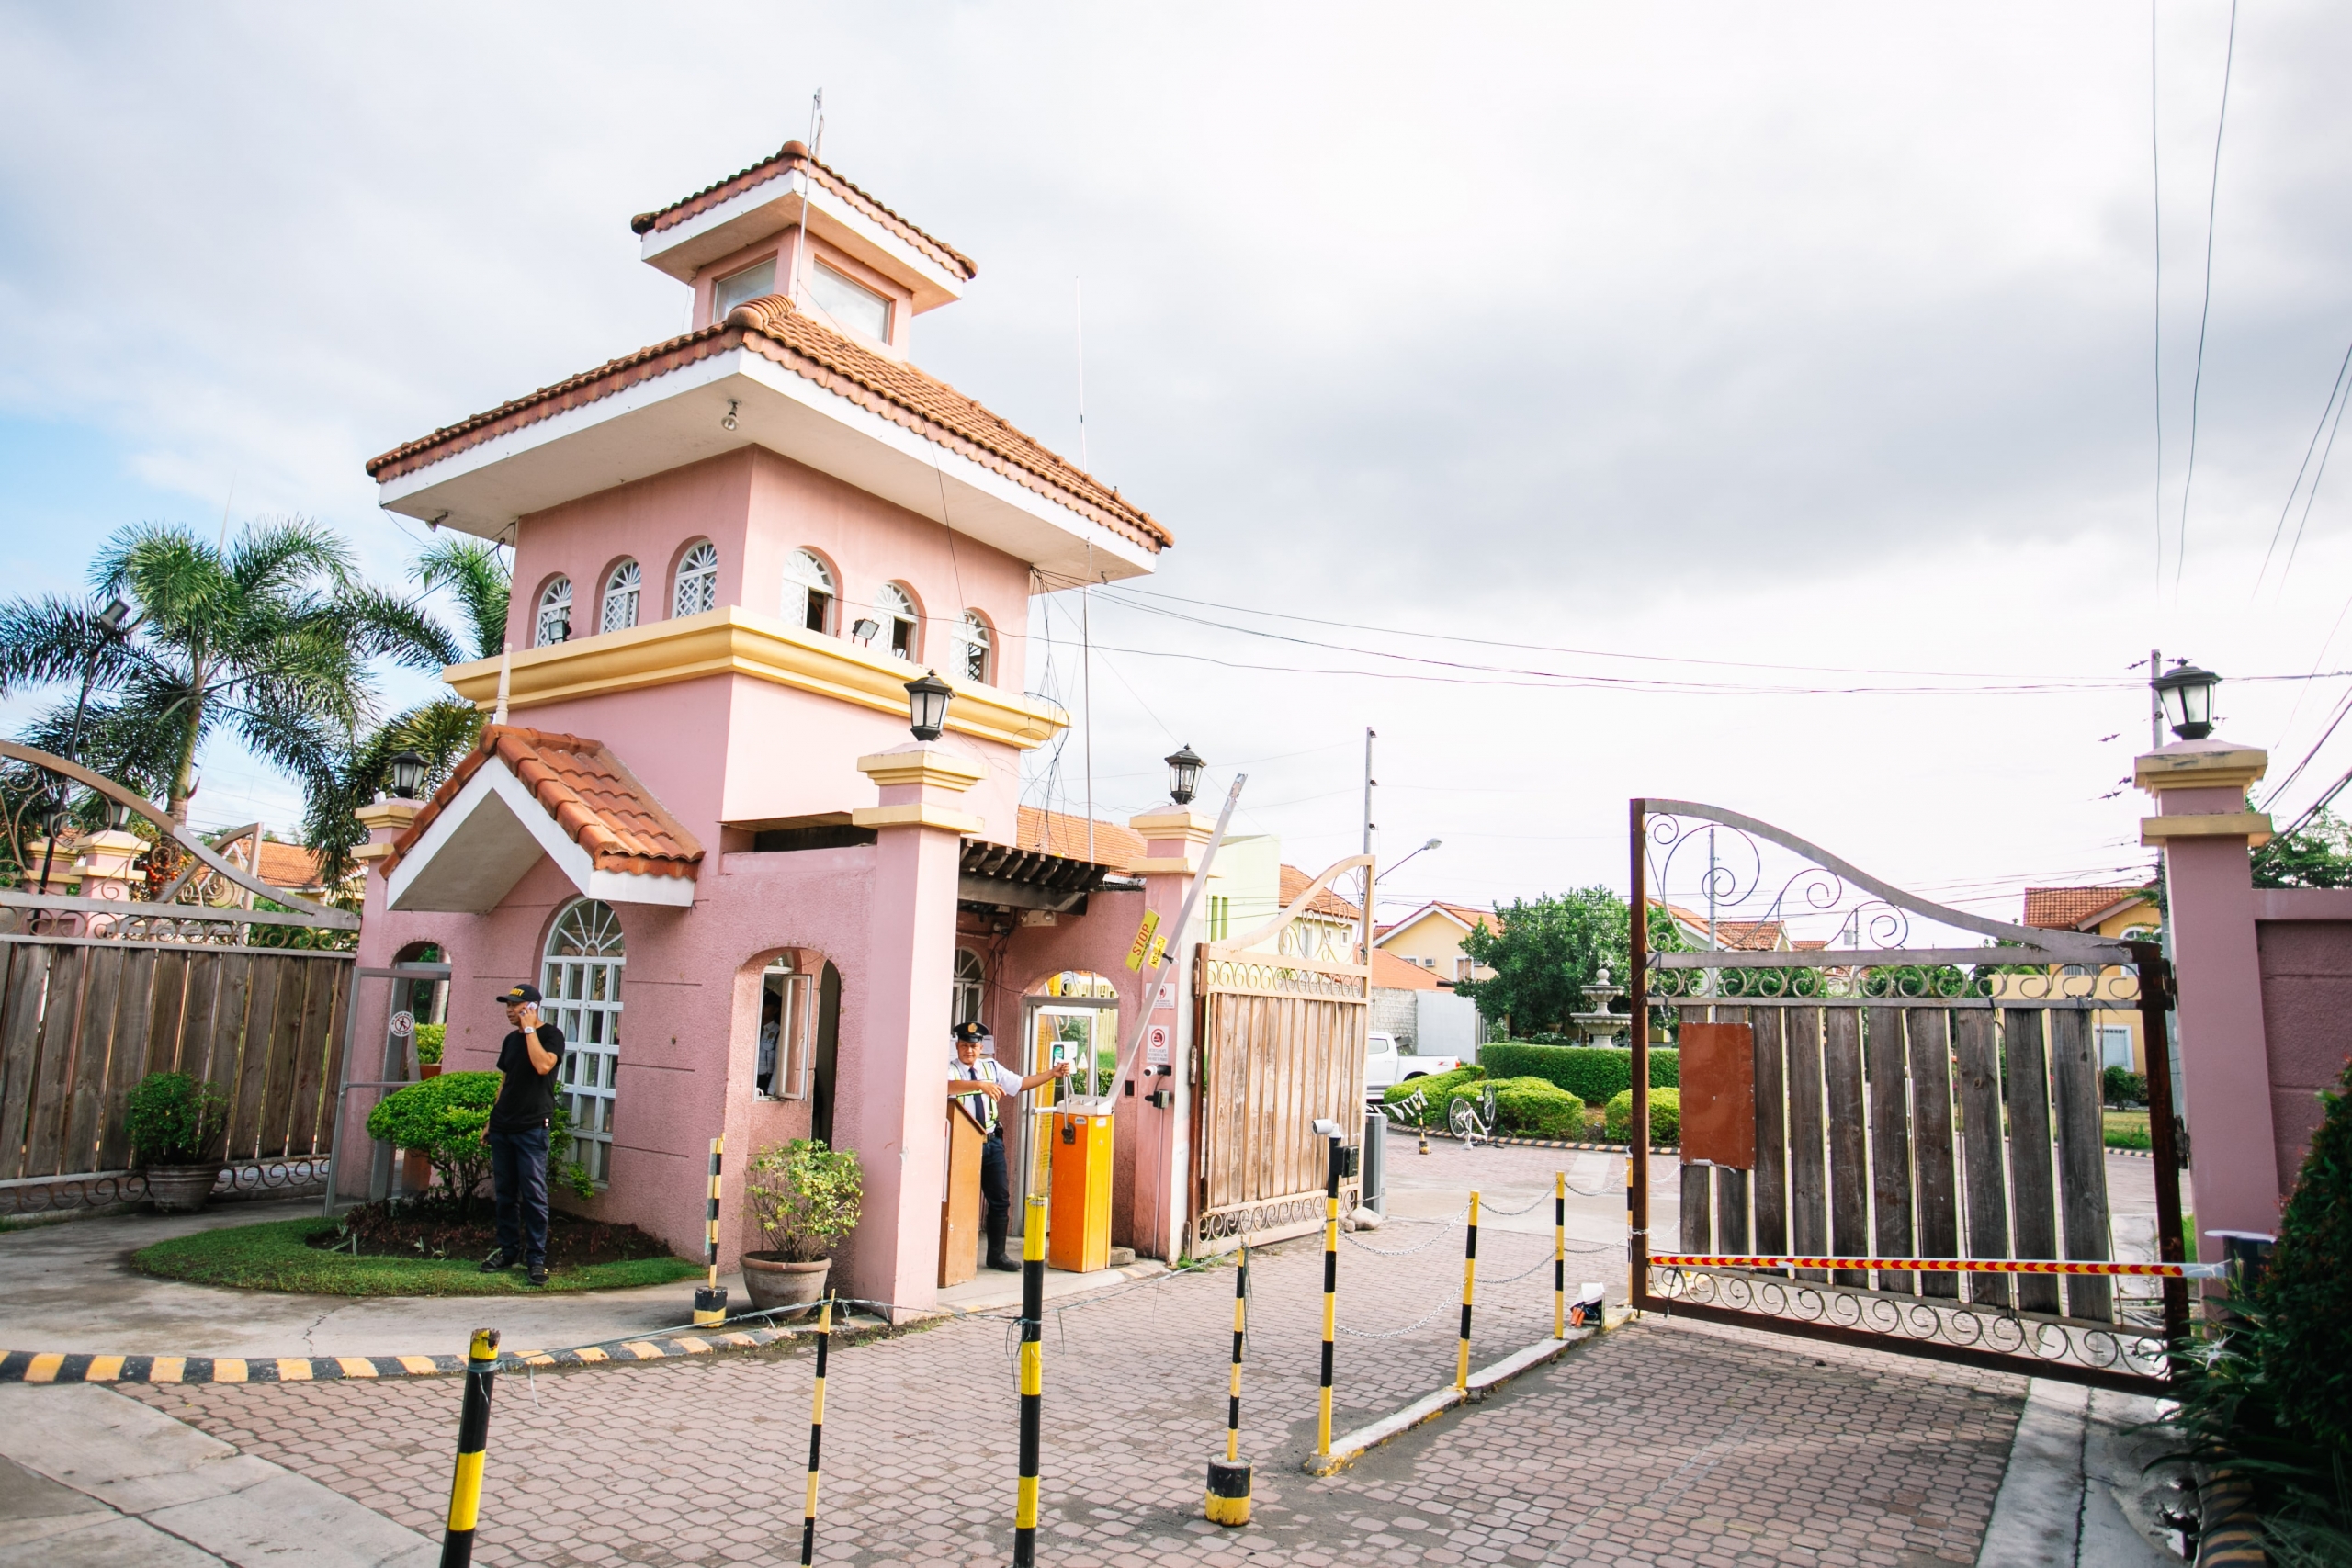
1509,1141
1352,1446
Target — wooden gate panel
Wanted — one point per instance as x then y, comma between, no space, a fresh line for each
1696,1207
286,1050
135,1005
52,1081
169,1025
308,1131
1928,1033
248,1089
2033,1198
2082,1159
1772,1136
1841,1066
93,1056
28,969
1984,1176
1808,1139
1890,1098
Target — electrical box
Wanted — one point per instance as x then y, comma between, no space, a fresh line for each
1078,1234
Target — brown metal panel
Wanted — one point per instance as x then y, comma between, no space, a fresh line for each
1984,1175
53,1077
93,1054
2082,1160
2033,1197
134,1024
1849,1185
1719,1094
1936,1192
28,972
1771,1176
1732,1182
1808,1139
1889,1143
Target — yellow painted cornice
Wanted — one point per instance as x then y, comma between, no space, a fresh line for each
919,814
920,765
2254,827
2200,764
394,813
734,641
1175,822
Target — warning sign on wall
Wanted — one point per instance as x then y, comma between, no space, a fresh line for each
1155,1046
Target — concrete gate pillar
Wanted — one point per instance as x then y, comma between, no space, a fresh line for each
1156,1138
385,820
2206,832
892,1103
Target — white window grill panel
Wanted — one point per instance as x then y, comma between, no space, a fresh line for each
582,983
809,591
554,623
697,580
621,590
970,978
896,608
973,635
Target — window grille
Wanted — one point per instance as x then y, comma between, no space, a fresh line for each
697,580
808,591
620,598
973,635
581,982
896,608
554,623
970,986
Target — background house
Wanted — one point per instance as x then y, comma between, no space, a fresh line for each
2124,912
1431,937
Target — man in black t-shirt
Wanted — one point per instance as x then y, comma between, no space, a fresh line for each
517,1135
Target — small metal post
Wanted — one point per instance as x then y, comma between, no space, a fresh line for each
1229,1494
1033,1378
1559,1255
710,1302
1469,1289
815,1434
473,1437
1331,1292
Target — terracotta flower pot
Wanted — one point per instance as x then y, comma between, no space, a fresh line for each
773,1283
181,1188
427,1070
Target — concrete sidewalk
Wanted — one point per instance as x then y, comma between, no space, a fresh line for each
2079,1493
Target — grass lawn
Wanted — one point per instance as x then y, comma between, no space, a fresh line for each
2126,1129
278,1256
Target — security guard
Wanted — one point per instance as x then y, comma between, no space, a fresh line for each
988,1081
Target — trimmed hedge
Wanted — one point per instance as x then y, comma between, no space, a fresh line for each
1443,1090
1666,1116
1539,1109
1594,1074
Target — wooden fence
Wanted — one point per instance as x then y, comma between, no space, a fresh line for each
81,1020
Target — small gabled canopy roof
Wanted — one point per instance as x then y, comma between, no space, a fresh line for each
2081,909
526,792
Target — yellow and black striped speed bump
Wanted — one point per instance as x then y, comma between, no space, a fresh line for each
53,1366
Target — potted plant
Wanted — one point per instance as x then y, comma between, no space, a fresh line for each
176,1124
430,1038
805,1198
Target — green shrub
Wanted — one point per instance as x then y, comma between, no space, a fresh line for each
1538,1109
804,1197
177,1120
2306,1296
429,1038
444,1119
1666,1116
1594,1074
2121,1086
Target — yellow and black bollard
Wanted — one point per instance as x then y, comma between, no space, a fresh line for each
1331,1288
1033,1378
1559,1255
710,1302
1469,1289
815,1434
1228,1496
473,1437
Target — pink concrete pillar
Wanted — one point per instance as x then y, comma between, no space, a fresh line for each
892,1108
2205,829
1158,1136
385,821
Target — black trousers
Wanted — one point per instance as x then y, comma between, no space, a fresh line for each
993,1185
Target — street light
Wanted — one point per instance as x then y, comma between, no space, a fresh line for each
1183,773
1433,843
2187,694
927,705
407,770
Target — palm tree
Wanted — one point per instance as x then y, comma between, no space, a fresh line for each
267,637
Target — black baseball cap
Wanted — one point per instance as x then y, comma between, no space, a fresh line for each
969,1029
524,993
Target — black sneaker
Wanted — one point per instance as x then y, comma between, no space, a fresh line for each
498,1262
538,1274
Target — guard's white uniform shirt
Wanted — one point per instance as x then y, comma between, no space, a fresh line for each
984,1069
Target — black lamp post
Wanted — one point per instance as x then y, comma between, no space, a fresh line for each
1183,775
110,625
927,701
406,770
2187,694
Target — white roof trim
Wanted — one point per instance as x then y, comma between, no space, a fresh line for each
481,844
1431,907
685,248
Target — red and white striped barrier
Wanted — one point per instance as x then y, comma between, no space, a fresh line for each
1944,1265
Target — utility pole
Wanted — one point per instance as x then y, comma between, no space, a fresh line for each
2155,702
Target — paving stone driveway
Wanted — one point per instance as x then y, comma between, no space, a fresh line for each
1661,1443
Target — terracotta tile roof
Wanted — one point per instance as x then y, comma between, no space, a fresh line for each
287,865
1293,883
1058,833
1390,972
2064,909
1738,936
772,328
792,155
592,798
1463,912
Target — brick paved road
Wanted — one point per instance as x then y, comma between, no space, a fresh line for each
1662,1443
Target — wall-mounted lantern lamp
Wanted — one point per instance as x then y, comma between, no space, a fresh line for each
407,772
1183,775
927,705
2187,694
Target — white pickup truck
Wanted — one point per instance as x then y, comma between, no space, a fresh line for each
1384,1065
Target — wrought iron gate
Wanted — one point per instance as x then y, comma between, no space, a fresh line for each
1918,1099
1281,1046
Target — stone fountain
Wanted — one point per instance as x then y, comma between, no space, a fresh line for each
1597,1024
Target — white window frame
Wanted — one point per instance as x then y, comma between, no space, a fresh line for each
725,296
900,620
971,987
697,588
552,624
795,1052
805,577
820,277
624,588
979,647
583,992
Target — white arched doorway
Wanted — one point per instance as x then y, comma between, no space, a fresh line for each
581,979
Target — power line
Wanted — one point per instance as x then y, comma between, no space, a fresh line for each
2205,314
2157,219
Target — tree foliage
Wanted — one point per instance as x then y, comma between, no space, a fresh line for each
2319,854
1543,953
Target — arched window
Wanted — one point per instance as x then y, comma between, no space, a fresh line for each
808,591
969,978
896,608
554,623
973,635
620,598
697,580
582,981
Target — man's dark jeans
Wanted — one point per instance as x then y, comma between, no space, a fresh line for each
993,1185
518,1170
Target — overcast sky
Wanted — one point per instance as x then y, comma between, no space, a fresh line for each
1808,337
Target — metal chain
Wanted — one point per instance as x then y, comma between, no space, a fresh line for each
1398,1333
1444,1227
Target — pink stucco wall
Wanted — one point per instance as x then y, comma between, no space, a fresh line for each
2305,942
